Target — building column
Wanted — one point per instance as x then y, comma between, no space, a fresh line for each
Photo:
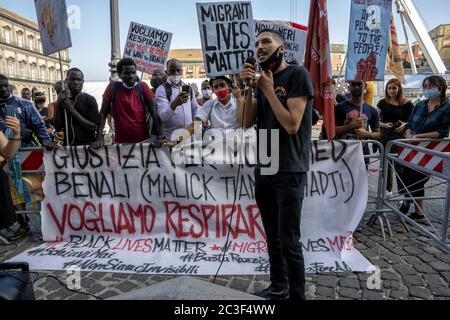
115,38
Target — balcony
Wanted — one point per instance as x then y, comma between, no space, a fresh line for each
15,44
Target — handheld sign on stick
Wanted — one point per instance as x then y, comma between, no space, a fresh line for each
228,36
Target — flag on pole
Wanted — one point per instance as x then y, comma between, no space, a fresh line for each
52,21
318,62
395,62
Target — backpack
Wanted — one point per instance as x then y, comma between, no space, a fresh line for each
148,117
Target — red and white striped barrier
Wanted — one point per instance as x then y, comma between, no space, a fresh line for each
425,160
31,160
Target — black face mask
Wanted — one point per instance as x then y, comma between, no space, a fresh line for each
273,63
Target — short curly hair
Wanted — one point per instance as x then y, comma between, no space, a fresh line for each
124,63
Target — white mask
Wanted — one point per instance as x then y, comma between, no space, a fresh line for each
207,93
127,87
175,79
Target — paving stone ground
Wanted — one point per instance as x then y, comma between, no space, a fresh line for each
413,267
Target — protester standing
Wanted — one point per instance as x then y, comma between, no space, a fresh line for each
395,110
10,230
81,110
131,105
176,102
282,102
430,119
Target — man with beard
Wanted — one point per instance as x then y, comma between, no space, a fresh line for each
282,102
81,110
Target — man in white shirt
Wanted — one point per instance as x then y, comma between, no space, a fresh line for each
221,113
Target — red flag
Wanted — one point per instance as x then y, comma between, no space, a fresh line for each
318,62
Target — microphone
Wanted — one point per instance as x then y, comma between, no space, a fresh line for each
252,61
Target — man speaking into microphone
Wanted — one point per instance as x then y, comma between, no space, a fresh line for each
281,101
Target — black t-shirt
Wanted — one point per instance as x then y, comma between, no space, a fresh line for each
393,114
345,112
87,107
294,150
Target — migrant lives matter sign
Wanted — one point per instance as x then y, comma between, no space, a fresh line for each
368,39
227,34
148,47
128,209
52,21
294,36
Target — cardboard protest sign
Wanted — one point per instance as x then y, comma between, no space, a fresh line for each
52,21
294,36
148,47
130,209
227,35
368,39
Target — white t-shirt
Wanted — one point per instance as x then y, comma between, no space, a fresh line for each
219,116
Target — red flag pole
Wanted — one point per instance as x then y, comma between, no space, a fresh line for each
318,62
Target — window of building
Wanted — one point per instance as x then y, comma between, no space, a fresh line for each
33,72
51,74
43,74
20,39
11,70
31,42
23,69
7,34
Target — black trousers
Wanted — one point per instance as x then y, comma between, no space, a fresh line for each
280,200
7,213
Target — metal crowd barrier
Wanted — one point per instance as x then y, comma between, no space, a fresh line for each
378,167
386,202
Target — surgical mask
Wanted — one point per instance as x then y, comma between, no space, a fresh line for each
128,87
207,93
431,93
222,94
274,62
175,79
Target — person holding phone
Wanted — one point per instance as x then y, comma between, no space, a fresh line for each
175,101
31,126
10,230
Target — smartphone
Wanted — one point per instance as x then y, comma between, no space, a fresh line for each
186,89
10,111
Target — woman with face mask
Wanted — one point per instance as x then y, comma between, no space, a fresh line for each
430,119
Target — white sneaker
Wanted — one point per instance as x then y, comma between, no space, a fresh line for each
389,194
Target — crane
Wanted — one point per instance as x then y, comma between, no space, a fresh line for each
408,12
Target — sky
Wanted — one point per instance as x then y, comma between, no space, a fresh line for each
91,49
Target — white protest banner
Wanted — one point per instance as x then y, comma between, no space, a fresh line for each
228,37
148,47
52,21
294,36
130,209
368,39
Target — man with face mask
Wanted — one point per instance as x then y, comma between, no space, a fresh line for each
220,113
131,105
207,93
282,103
81,110
176,108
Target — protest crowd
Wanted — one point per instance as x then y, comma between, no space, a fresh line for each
249,99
